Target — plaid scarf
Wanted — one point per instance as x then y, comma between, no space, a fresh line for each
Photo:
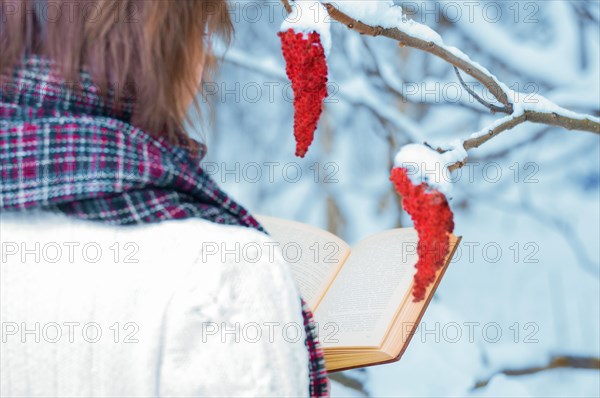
74,151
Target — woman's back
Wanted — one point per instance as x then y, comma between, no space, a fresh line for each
178,308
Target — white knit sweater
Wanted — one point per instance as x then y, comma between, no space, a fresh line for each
89,310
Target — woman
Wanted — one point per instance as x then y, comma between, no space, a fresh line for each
93,101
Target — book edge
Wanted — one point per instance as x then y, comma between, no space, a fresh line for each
418,319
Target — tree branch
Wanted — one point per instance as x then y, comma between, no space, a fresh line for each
571,362
477,72
488,81
510,122
491,107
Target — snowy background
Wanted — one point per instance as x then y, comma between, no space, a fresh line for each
518,311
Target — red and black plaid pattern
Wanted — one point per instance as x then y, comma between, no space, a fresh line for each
67,148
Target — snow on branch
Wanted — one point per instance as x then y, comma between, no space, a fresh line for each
384,18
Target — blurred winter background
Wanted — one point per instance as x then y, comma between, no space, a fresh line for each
518,311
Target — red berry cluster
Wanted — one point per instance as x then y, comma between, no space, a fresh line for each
306,67
433,221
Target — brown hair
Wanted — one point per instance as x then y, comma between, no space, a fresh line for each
154,47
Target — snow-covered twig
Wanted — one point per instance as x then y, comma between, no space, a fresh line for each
411,34
426,40
536,109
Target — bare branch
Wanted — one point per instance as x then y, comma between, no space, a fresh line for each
287,6
491,107
567,361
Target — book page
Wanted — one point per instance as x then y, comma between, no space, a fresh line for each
366,294
315,255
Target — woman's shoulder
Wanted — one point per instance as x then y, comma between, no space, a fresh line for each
47,222
182,242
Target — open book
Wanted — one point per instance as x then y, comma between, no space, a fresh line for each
361,297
